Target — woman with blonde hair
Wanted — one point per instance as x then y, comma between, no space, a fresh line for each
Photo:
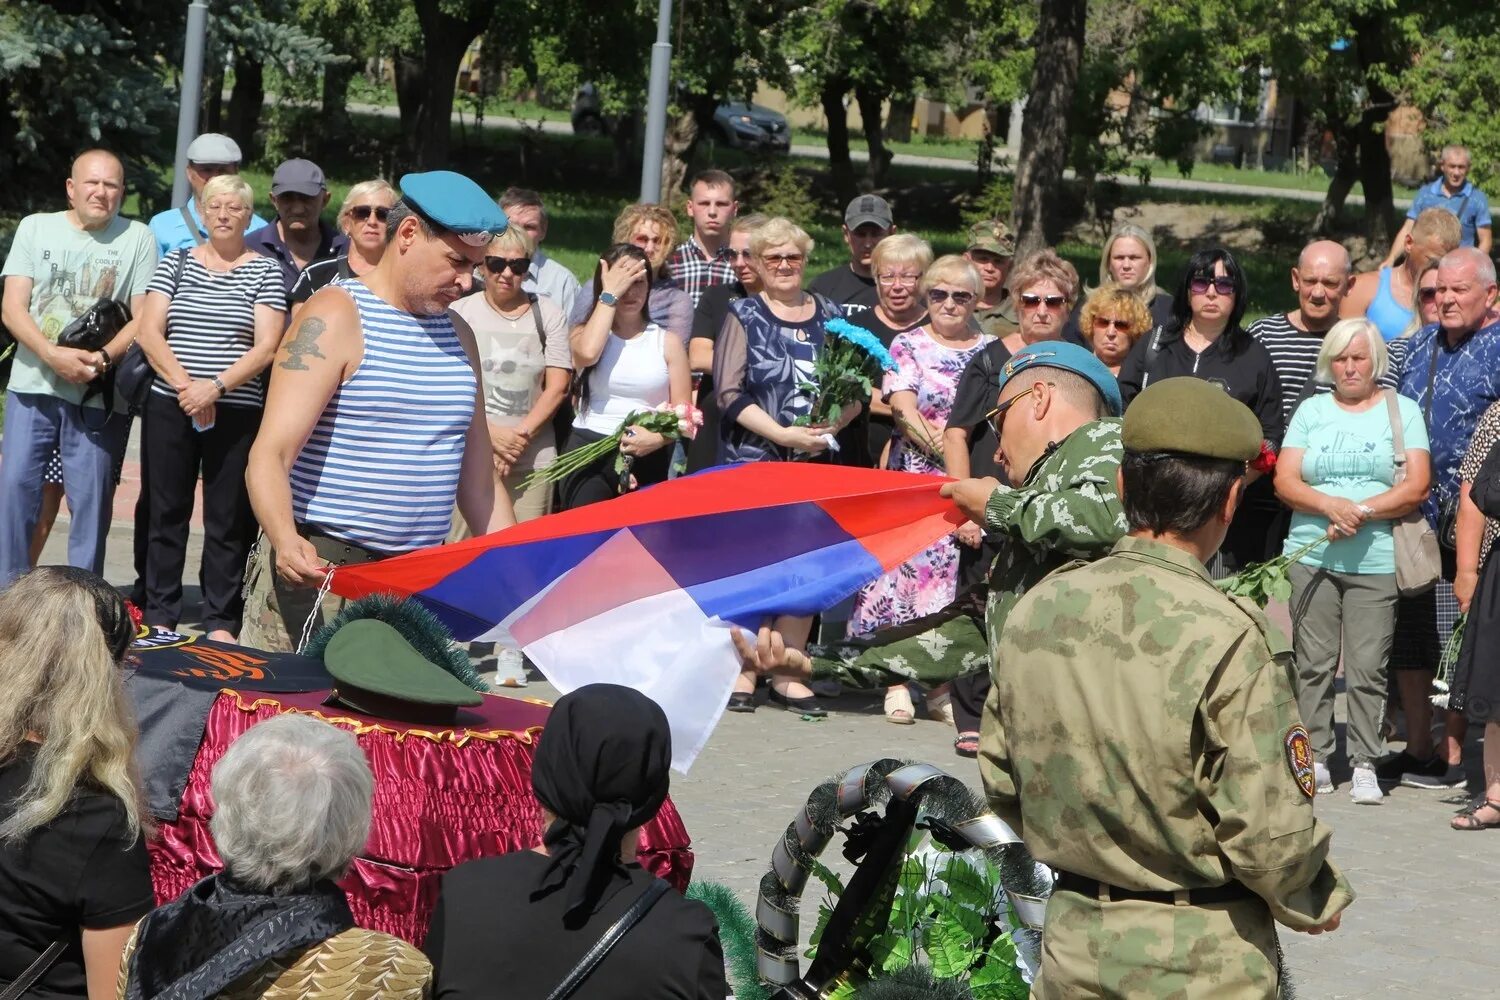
653,228
898,263
1129,261
74,875
1111,321
362,217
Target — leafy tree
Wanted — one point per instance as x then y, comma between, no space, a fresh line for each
1045,133
1453,81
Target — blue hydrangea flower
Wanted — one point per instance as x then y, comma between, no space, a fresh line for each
863,339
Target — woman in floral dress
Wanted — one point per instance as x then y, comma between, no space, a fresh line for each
930,360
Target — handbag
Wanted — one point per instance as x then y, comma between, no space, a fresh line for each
93,331
36,970
617,930
134,374
1419,563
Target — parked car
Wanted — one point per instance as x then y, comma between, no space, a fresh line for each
738,124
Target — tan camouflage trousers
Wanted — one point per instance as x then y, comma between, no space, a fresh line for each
276,613
1131,948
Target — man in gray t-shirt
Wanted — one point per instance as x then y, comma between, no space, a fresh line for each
60,265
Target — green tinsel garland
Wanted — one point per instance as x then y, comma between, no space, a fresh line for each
737,934
418,626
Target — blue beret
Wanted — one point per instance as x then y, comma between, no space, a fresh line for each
455,203
1070,358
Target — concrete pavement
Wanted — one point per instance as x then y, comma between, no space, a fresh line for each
1427,895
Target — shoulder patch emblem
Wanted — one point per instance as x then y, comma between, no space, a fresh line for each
1299,757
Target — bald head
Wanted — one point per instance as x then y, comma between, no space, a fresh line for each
1321,279
95,188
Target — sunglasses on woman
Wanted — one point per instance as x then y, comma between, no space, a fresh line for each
497,265
1105,323
362,212
1031,300
1427,294
960,298
1224,285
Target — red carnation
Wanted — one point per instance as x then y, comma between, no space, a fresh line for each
1265,462
136,617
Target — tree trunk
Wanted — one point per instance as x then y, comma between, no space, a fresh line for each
677,149
213,99
1374,157
869,101
335,115
425,82
245,103
1346,172
898,119
840,167
1044,130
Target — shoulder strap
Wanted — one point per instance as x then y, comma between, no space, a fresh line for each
1398,440
617,930
182,256
536,317
36,970
1153,350
192,227
1437,345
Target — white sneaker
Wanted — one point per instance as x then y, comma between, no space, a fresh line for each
510,668
1365,788
1322,777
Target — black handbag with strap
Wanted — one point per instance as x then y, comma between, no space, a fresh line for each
36,970
591,959
134,374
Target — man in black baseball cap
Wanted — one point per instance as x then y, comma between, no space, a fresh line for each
867,221
297,236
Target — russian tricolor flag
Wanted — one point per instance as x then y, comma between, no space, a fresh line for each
642,590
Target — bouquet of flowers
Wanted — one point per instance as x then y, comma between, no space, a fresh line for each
1263,582
845,371
672,422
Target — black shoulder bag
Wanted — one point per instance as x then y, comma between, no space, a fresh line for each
591,959
36,970
134,374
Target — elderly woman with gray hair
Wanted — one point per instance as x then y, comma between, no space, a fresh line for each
292,808
1337,472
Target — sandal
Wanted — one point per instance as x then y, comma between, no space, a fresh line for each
742,701
1471,821
967,745
940,706
898,706
807,705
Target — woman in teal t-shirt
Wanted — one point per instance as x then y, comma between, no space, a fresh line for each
1336,471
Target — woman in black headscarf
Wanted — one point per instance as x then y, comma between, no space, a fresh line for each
526,920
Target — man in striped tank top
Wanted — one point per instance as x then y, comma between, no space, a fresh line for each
374,420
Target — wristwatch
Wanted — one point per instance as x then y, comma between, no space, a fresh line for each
607,299
219,384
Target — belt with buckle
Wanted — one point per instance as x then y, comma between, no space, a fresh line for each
1229,892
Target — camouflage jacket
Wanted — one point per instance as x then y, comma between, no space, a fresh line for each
1143,733
1068,508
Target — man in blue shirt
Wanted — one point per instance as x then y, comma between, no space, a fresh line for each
298,235
1452,370
209,155
1454,191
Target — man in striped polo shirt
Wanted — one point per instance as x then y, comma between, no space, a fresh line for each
374,421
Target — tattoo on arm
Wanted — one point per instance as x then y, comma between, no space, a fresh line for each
303,343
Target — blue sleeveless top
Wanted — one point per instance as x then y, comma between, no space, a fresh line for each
380,469
1389,316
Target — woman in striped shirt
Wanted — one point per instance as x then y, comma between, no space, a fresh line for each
213,316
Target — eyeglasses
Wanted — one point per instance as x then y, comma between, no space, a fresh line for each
960,298
996,416
1223,285
497,265
781,260
1105,323
734,254
898,279
1427,294
1031,300
362,212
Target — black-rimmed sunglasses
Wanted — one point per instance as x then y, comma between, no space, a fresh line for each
960,298
1223,284
497,265
1427,294
362,212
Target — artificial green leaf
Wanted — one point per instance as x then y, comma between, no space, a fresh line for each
891,952
967,918
951,949
825,875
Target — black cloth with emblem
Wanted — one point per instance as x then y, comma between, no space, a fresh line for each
1475,690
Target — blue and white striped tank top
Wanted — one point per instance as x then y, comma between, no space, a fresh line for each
380,469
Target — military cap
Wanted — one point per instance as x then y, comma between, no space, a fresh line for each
1071,358
378,672
456,204
1192,417
992,236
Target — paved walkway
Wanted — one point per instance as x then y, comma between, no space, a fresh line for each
1427,895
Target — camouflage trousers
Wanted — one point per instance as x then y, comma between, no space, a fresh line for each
1134,948
276,613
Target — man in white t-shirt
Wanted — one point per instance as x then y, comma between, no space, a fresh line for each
60,265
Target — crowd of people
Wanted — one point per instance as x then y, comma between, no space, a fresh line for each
350,392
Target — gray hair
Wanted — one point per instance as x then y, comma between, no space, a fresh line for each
291,804
1337,340
1454,147
1484,268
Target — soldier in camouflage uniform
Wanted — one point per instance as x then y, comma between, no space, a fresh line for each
1143,738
